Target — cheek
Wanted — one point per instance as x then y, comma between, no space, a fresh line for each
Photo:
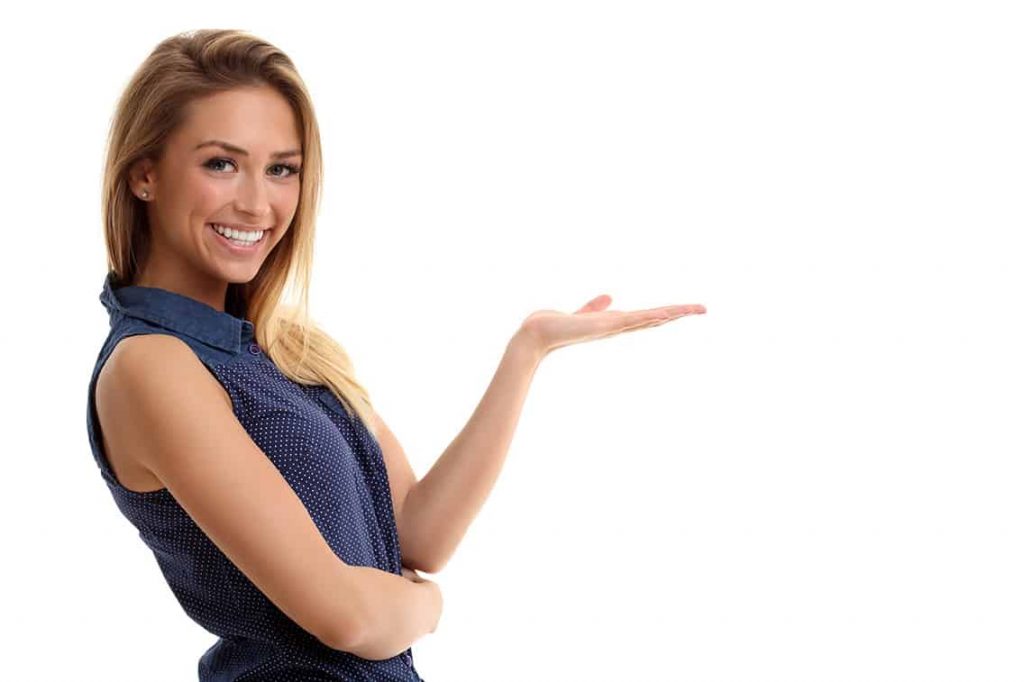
283,206
206,195
279,236
286,200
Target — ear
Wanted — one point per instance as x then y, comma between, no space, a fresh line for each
142,176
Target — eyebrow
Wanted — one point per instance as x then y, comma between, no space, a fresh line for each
239,150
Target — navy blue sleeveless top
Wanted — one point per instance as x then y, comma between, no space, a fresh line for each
332,461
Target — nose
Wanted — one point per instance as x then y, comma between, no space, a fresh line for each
252,198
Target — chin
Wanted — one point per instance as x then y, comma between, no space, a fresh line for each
232,273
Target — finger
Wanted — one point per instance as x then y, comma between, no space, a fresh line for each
650,320
614,321
635,318
668,312
627,325
688,309
599,303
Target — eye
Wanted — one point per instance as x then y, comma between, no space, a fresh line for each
212,162
292,169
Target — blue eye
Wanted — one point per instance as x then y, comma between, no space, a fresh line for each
292,169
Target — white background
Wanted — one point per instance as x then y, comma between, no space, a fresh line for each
819,479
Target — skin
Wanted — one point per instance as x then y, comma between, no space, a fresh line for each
550,329
189,188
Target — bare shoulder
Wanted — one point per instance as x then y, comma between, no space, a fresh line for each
145,359
131,379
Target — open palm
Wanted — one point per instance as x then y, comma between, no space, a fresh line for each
552,329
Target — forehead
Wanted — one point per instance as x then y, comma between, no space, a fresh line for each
256,119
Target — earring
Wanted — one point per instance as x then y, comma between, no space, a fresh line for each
145,194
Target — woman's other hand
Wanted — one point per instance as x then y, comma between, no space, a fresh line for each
435,589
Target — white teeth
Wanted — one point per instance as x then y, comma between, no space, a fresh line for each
238,235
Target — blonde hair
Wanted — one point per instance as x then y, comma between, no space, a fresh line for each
186,67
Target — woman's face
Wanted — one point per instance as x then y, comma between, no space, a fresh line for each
232,164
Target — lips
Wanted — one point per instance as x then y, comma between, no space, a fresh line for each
247,247
239,226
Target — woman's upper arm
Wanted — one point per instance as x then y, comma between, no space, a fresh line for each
401,476
170,410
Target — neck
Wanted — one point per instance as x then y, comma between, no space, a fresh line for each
211,291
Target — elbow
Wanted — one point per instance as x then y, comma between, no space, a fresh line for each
423,561
432,567
344,628
423,566
345,639
428,567
354,636
358,643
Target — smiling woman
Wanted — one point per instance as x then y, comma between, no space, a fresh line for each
230,430
242,207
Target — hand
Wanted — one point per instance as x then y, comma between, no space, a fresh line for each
412,575
550,329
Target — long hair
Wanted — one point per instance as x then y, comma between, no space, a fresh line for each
186,67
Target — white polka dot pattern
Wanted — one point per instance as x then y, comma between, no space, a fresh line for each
332,461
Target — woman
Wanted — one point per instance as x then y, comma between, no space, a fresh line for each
229,428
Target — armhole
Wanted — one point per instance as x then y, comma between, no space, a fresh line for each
93,421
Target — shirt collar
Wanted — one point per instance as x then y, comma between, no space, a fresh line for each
178,313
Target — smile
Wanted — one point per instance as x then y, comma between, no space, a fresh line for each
240,239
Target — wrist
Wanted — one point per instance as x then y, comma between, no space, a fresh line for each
526,344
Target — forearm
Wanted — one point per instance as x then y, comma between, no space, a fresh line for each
395,613
440,507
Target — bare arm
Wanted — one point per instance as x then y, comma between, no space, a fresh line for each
440,507
156,400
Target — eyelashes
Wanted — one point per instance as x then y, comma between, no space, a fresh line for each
292,169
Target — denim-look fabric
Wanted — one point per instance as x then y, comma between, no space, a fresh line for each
332,461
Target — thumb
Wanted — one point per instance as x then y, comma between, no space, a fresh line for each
598,303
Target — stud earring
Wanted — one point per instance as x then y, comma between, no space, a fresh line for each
145,194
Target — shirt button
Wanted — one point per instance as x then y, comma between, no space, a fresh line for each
254,348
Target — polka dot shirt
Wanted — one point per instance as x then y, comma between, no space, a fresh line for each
332,461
